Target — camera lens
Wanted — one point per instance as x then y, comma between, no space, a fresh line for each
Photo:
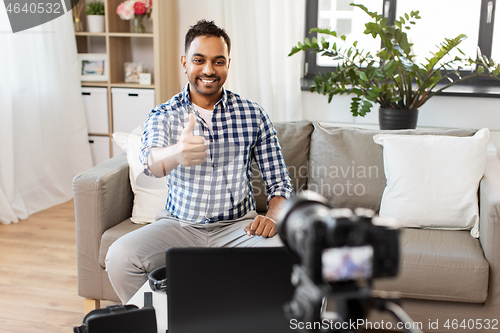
296,217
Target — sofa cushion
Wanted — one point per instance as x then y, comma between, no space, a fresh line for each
432,180
346,166
112,234
150,193
440,265
294,139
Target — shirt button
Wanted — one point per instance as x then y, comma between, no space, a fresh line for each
215,165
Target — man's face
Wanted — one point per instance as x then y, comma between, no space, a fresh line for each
206,65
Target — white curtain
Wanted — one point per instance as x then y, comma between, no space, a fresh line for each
43,132
262,34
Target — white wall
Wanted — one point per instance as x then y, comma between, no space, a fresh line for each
440,111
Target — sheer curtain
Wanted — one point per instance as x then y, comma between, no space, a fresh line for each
43,133
262,34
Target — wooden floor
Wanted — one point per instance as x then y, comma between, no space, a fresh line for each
38,275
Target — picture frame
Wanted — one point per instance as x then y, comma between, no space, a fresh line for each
93,66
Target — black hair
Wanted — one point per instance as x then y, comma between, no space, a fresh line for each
206,28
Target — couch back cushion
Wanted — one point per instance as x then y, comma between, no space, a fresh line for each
346,166
294,139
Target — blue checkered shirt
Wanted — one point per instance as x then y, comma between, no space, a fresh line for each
219,188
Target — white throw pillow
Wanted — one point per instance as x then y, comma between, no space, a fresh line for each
150,194
432,180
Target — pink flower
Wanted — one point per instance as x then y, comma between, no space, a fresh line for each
148,3
126,10
139,8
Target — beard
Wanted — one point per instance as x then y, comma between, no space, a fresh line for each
207,85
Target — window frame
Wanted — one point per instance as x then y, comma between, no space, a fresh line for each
485,42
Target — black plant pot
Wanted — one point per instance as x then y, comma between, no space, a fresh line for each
390,119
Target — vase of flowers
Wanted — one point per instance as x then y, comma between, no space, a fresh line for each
137,25
135,10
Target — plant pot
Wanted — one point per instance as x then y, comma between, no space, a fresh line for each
95,23
390,119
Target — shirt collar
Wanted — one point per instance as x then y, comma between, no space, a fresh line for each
186,97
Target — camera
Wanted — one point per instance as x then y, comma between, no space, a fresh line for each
340,252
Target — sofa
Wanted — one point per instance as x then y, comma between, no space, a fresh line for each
446,276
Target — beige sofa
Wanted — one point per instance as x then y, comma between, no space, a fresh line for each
444,274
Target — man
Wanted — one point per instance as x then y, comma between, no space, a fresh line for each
202,140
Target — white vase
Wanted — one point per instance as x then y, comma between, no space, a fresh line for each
95,23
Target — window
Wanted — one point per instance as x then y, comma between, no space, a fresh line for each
495,51
346,20
440,19
433,27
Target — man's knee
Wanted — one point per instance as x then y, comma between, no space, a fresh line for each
121,258
131,257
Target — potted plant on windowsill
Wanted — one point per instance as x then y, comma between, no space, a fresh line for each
95,16
391,77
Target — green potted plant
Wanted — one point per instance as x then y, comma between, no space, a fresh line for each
391,77
95,16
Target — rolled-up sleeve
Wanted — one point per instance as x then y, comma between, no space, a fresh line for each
269,158
156,134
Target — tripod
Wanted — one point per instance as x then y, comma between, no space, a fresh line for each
310,309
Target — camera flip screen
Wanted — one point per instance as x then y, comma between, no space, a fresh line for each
347,263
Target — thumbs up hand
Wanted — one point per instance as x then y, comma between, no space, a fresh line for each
188,130
191,149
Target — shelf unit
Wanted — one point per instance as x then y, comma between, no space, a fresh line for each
119,45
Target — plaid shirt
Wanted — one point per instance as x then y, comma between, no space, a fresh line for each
219,188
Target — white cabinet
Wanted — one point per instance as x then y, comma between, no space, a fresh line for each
95,101
99,147
131,108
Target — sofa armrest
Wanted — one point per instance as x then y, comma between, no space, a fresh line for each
489,226
103,199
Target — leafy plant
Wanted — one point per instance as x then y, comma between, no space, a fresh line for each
390,77
95,7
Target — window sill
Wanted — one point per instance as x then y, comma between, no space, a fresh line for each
459,90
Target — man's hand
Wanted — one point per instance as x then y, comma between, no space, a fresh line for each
261,226
191,149
188,151
266,226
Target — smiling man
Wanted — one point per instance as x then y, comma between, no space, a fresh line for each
206,64
203,141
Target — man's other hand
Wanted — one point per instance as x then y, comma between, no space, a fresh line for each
261,226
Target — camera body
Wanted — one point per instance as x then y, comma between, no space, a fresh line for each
341,252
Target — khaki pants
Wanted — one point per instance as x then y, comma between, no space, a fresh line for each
133,256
